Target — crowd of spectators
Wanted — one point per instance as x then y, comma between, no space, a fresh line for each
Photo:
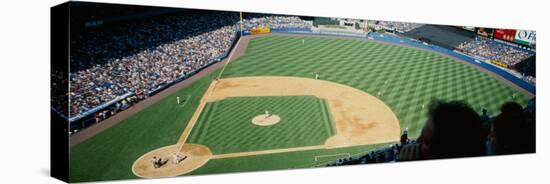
455,130
59,84
275,22
119,106
383,155
395,26
106,113
528,69
531,79
140,57
513,57
489,49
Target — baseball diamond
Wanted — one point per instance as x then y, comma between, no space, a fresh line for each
367,93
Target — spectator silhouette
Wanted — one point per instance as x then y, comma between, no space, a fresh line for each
453,129
530,112
510,132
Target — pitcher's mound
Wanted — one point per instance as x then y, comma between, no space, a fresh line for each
266,120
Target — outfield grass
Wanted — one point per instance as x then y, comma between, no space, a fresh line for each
297,159
225,126
414,76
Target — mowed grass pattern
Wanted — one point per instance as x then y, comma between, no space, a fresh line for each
414,76
407,78
226,127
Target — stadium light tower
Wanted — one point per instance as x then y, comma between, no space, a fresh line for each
241,17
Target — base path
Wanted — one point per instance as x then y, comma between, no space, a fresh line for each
359,119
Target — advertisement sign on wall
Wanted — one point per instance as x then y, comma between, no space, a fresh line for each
525,37
486,32
505,34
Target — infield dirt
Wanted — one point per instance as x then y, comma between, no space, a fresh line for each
359,118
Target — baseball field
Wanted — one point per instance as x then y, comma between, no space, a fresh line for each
266,110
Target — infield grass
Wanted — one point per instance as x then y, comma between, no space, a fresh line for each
225,126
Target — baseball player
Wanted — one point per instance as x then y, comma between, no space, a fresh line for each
156,162
176,158
178,99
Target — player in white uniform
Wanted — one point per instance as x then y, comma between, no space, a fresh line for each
176,158
178,99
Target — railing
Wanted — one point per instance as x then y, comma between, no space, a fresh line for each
99,107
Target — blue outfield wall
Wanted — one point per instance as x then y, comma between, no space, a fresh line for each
393,39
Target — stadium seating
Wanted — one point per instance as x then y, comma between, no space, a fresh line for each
401,27
444,36
110,61
527,68
141,57
255,20
492,50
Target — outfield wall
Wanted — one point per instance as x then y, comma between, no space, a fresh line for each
393,39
